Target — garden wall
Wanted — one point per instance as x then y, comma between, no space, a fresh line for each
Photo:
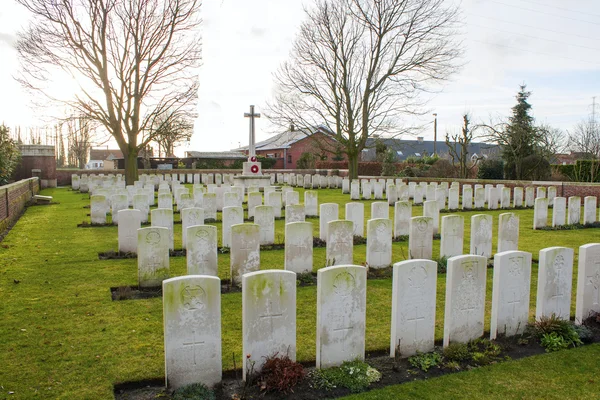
13,198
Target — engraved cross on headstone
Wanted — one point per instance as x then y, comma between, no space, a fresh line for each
193,343
416,320
251,115
270,315
594,280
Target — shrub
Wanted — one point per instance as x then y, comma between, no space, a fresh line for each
457,352
354,375
585,334
196,391
553,342
491,169
547,329
306,161
442,265
442,169
280,374
425,361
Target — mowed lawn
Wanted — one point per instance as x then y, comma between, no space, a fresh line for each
61,336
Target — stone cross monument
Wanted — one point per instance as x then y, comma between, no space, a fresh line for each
252,167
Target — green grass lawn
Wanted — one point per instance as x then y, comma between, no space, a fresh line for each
63,337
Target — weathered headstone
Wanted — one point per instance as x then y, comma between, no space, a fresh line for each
379,242
430,209
588,282
465,298
165,200
529,196
340,242
589,210
493,198
451,244
481,235
130,222
210,207
231,216
274,200
510,293
414,286
555,276
366,190
98,208
355,190
559,211
518,196
420,240
508,232
245,251
190,217
540,213
341,314
453,198
118,202
418,197
345,186
392,194
574,210
254,199
479,197
467,197
294,213
264,217
378,191
440,197
311,203
380,209
201,250
299,247
192,330
551,194
292,198
402,216
540,192
268,317
505,198
329,212
152,256
355,212
163,217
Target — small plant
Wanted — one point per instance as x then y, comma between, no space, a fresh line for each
195,391
553,342
585,334
123,293
425,361
305,278
354,375
280,374
546,326
480,358
452,365
457,352
442,265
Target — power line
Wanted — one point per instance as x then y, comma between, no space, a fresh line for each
534,27
546,13
535,52
561,8
537,37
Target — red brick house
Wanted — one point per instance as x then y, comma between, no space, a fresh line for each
287,147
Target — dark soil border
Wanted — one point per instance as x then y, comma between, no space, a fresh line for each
394,371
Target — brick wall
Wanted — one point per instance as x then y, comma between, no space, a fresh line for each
13,198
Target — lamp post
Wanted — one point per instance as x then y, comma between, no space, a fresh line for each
434,134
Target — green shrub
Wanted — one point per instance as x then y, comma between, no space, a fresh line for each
457,352
553,342
491,169
196,391
585,334
425,361
354,375
442,265
547,329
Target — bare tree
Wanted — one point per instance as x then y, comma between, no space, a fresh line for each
359,66
132,60
458,148
169,129
585,138
80,132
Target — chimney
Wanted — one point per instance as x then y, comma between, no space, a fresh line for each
420,139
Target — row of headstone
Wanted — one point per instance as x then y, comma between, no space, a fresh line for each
192,313
564,211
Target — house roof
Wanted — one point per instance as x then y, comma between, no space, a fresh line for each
420,148
105,154
285,140
222,155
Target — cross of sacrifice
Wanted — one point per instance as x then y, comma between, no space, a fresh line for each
270,315
251,115
193,343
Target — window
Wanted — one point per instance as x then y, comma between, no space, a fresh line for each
289,158
399,152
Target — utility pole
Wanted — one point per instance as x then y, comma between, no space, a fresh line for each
434,134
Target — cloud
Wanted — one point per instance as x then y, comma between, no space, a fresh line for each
257,31
8,39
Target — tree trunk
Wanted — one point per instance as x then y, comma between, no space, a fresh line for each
353,165
131,166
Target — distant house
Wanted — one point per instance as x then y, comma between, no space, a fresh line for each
103,158
419,148
287,147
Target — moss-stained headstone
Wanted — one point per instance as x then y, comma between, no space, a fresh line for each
118,202
453,228
189,217
268,316
201,251
231,216
273,199
355,212
465,298
510,293
340,242
328,212
245,251
481,235
379,242
555,276
299,247
192,330
414,285
341,312
140,202
402,216
294,213
163,217
153,256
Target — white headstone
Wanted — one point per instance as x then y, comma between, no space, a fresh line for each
311,203
264,217
479,197
505,198
559,211
380,209
540,192
329,212
98,209
402,216
430,209
192,330
508,232
588,282
355,212
292,198
589,210
190,217
340,242
414,286
555,276
268,317
366,190
453,198
201,250
481,235
131,221
355,190
510,293
341,314
294,213
299,247
529,196
231,216
518,196
345,186
551,194
574,210
467,197
451,244
163,217
210,207
274,200
378,190
152,256
165,200
465,298
245,251
420,240
379,242
254,199
540,213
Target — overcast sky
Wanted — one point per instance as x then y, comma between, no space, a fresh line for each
551,45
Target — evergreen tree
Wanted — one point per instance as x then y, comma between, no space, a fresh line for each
521,137
9,155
